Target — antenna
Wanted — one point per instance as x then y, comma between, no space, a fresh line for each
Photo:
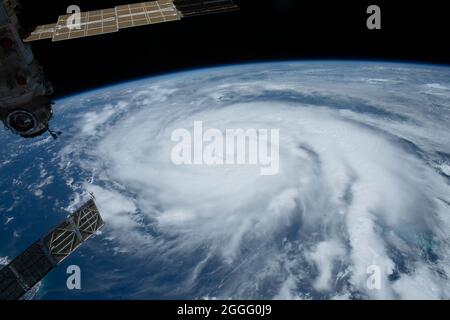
55,134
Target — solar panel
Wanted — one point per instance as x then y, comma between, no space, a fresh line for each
42,32
111,20
128,16
91,23
144,13
69,235
62,241
31,266
87,220
10,288
131,15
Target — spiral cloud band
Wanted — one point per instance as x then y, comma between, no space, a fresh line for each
359,208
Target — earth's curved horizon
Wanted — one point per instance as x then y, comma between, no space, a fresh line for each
363,185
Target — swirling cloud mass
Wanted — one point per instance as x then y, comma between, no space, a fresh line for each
363,181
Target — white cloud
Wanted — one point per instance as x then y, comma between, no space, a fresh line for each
421,285
116,209
324,256
349,184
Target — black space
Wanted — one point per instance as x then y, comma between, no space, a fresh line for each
262,30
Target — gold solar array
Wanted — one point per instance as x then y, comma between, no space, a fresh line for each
92,23
144,13
42,32
108,20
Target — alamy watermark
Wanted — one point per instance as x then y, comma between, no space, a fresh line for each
74,19
213,147
375,275
74,279
374,20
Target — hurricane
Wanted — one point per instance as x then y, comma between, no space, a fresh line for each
359,209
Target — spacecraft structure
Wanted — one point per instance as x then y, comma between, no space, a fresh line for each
32,265
25,93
